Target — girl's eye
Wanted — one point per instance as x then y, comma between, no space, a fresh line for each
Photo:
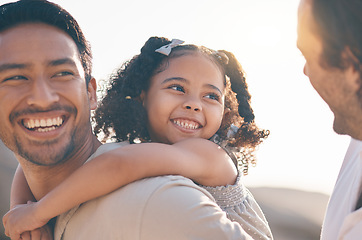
213,96
177,88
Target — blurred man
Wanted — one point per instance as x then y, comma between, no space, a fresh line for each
46,94
330,38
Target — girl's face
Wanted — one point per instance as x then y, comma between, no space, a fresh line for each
185,100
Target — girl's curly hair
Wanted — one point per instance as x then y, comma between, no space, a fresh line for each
122,116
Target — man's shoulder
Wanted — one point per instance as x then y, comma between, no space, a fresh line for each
166,207
139,199
147,188
108,147
145,191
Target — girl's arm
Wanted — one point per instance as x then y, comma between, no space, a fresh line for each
21,194
20,191
198,159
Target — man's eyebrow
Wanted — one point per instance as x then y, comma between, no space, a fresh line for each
62,61
57,62
11,66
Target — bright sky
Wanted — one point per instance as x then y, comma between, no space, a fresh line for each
302,151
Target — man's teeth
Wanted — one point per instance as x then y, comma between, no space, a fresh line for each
187,125
45,129
43,125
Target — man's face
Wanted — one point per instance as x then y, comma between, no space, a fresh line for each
44,102
337,87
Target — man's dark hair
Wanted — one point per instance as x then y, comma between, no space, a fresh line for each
339,25
42,11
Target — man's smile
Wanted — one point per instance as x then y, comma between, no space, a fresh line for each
43,124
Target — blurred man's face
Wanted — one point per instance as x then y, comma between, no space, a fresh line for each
337,87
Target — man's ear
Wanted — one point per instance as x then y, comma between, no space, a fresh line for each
353,77
352,73
92,94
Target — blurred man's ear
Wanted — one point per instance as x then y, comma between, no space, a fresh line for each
354,69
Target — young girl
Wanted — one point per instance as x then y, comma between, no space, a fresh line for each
188,109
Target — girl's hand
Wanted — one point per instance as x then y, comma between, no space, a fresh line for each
21,219
43,233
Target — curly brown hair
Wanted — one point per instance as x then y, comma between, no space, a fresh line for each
122,116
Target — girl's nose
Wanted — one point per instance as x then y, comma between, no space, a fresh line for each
192,104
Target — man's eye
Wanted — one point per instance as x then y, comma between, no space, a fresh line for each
14,78
62,74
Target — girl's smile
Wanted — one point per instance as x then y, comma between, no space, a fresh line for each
186,125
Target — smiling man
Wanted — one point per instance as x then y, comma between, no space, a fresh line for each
43,90
46,95
330,38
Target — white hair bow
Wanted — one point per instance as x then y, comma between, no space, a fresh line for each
166,49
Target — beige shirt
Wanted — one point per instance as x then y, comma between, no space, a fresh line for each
168,207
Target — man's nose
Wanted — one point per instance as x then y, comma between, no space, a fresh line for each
305,70
42,93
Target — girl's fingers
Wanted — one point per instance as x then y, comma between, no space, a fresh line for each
47,234
36,234
25,236
5,219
